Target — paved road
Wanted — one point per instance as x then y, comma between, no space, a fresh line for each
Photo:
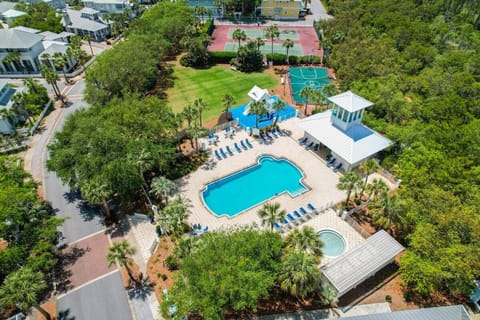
86,304
318,11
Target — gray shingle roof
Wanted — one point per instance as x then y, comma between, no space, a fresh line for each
439,313
16,39
361,262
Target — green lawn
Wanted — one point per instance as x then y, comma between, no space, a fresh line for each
211,85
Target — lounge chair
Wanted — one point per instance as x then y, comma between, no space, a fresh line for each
290,217
280,132
217,155
237,147
311,207
338,167
268,136
223,153
297,215
243,145
248,143
310,146
229,151
227,131
303,141
303,211
205,229
262,137
331,162
274,134
277,226
285,222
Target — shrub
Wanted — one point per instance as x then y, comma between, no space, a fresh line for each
278,58
171,262
163,276
208,27
221,56
388,298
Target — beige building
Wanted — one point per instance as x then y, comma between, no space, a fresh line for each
281,9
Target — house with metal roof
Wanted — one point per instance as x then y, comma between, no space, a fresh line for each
457,312
86,22
107,6
11,15
361,262
341,130
56,4
6,93
19,51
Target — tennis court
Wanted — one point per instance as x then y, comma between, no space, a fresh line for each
261,33
316,78
296,50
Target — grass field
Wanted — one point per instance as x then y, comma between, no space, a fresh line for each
211,85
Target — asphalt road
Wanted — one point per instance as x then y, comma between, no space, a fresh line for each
318,11
104,299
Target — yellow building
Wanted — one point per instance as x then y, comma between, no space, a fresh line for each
281,9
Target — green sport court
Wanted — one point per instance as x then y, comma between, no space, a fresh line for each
260,33
296,50
316,78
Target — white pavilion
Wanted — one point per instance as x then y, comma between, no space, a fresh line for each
341,130
258,94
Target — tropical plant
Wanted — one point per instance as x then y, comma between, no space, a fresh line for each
272,33
367,168
349,181
299,273
122,252
186,246
14,58
287,44
88,38
200,106
259,109
307,92
22,289
387,211
10,115
239,35
60,61
173,217
377,187
305,239
51,78
97,191
228,101
278,106
161,188
271,213
329,295
329,90
259,42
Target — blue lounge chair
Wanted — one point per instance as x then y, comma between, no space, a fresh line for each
262,137
268,136
285,222
205,229
331,162
237,147
303,141
338,167
248,143
274,134
243,145
310,146
277,226
229,151
223,153
311,207
303,211
290,217
280,132
217,155
297,215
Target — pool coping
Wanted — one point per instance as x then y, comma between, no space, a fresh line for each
257,162
341,235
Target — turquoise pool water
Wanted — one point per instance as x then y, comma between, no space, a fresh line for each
334,243
249,187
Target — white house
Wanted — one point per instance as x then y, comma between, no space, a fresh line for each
57,4
341,130
11,15
86,22
107,6
6,92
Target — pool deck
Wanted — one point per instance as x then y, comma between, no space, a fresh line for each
320,179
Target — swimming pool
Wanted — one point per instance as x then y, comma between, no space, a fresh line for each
250,187
334,243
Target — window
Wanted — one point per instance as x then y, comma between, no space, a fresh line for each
345,115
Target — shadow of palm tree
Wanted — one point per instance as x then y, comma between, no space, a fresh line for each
141,290
72,196
67,257
65,315
88,211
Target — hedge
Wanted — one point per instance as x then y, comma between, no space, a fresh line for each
221,56
278,58
208,27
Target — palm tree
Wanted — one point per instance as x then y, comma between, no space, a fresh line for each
369,167
228,100
200,105
88,38
185,247
306,240
46,57
348,182
61,62
272,33
259,109
318,97
287,44
387,211
97,192
240,35
121,252
329,90
173,217
377,187
271,213
22,289
51,77
278,106
299,274
14,58
10,115
259,42
329,294
307,92
161,187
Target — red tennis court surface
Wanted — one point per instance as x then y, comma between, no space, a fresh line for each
307,38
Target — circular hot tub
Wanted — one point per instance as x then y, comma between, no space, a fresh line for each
334,243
